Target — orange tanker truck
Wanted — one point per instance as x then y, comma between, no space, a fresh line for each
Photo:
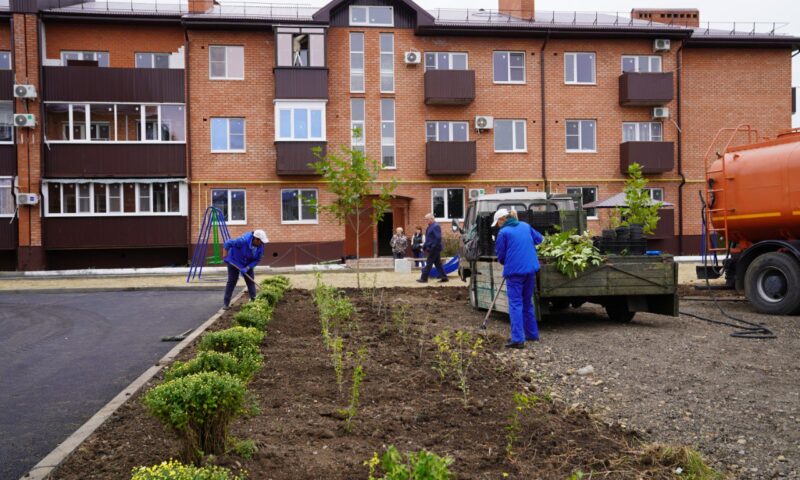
752,216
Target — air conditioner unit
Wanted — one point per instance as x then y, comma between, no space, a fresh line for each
24,91
27,199
412,58
24,120
661,45
483,122
660,112
474,193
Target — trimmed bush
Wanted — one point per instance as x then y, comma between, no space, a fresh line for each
279,280
270,294
232,340
254,314
210,361
175,470
198,408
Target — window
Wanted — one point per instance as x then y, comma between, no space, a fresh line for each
656,194
445,61
387,133
108,122
446,131
579,68
387,62
232,203
509,67
5,60
509,136
297,206
357,62
300,47
114,198
357,118
225,62
641,132
588,195
100,57
227,135
448,203
511,189
6,122
7,200
372,16
300,121
152,60
641,63
581,136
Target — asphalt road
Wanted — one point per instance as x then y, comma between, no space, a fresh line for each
65,355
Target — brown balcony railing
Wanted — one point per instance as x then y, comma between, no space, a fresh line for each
449,87
301,83
8,160
114,160
643,89
451,158
8,234
6,85
114,232
666,225
295,158
654,157
97,84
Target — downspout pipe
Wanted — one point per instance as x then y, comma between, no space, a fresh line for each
680,152
544,114
187,123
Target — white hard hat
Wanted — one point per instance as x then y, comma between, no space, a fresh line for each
503,212
261,235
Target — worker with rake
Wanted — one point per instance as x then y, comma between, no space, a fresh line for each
244,253
516,251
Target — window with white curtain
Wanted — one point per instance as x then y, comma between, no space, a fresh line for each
7,200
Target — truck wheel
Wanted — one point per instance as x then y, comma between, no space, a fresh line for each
618,311
772,284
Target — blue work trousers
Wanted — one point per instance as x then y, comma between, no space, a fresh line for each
233,278
520,307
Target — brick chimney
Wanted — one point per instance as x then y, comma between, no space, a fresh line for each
688,17
200,6
517,8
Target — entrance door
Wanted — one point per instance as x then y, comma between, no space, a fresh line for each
366,227
385,232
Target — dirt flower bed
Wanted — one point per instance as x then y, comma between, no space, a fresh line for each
300,432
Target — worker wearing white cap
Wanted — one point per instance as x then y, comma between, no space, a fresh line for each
244,253
516,251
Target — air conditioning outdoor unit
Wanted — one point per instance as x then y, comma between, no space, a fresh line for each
24,91
660,112
661,45
27,199
24,120
412,58
474,193
483,122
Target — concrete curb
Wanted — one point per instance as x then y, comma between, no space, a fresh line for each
204,288
45,467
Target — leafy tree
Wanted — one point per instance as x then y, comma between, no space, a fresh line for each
639,207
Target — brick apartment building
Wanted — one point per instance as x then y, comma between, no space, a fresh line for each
146,114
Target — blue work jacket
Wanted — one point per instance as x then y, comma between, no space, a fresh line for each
241,252
516,248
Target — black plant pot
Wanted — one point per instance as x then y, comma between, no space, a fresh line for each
609,234
623,233
636,231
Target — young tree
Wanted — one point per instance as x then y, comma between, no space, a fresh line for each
351,176
639,207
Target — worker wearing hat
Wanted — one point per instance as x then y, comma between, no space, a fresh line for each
516,251
244,253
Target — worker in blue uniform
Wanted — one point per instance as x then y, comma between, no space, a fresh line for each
244,253
516,251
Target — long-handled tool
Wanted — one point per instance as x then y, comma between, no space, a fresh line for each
245,275
491,307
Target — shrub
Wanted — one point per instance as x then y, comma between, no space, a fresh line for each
175,470
254,314
270,294
573,253
210,361
279,280
232,340
422,465
244,448
198,408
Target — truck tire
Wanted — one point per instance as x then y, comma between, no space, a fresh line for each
772,284
618,311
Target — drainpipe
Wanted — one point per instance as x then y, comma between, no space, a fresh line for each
187,123
544,116
680,153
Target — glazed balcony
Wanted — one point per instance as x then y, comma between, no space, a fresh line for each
654,157
65,233
451,158
449,87
301,83
295,158
116,160
645,89
96,84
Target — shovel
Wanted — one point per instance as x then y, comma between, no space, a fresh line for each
491,307
245,275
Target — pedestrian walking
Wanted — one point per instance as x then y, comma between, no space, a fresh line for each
416,245
399,244
433,247
516,251
244,253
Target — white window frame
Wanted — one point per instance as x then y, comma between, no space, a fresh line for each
358,72
572,57
386,142
228,135
356,143
652,190
294,105
13,129
84,54
386,73
596,196
183,200
514,148
226,76
451,129
301,221
508,68
228,214
637,66
368,23
511,189
446,206
449,60
152,56
11,187
580,148
638,133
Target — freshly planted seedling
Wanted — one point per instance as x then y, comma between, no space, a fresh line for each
422,465
522,403
337,358
175,470
350,412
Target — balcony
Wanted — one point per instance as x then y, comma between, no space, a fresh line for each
123,160
645,89
295,158
8,234
654,157
451,158
449,87
64,233
96,84
6,85
665,229
8,160
301,83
